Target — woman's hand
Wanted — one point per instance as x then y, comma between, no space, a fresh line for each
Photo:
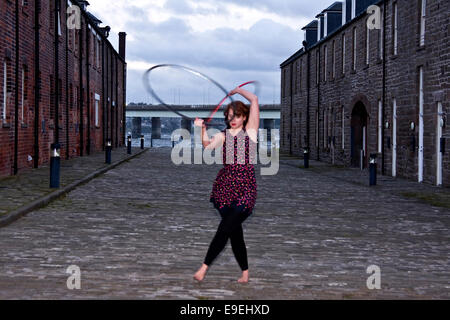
199,122
234,91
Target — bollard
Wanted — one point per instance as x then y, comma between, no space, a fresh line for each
373,169
55,165
142,141
306,157
129,144
108,151
151,141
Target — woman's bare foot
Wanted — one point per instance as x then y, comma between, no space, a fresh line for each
200,274
244,278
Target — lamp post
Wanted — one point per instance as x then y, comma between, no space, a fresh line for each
108,151
129,144
55,160
373,169
306,157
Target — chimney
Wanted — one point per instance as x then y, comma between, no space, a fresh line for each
122,36
83,4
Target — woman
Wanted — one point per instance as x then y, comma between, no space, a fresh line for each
234,190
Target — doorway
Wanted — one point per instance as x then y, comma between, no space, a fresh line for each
359,136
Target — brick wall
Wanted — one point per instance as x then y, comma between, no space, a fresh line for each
77,136
330,97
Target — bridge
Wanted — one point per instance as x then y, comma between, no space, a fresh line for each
268,114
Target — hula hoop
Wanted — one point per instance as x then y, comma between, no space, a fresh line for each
195,72
257,85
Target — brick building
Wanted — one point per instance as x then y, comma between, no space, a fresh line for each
352,91
61,82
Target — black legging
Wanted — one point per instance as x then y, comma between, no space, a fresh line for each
230,227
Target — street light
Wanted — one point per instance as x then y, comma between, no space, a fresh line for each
373,169
108,151
55,161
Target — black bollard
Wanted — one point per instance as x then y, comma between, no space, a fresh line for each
108,151
55,160
129,144
373,169
142,141
306,157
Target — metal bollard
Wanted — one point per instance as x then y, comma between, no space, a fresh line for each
142,141
129,144
55,160
306,157
108,151
373,169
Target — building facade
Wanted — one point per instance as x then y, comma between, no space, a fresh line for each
62,82
372,82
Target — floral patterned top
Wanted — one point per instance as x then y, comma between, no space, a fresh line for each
236,182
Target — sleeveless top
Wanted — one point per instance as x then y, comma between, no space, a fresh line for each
235,183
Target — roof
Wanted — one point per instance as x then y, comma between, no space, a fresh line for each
311,25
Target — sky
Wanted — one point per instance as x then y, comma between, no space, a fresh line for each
230,41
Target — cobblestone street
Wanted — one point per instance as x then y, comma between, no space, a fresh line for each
142,229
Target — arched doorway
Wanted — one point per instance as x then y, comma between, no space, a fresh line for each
359,135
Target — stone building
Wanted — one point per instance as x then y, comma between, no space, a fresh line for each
372,77
61,82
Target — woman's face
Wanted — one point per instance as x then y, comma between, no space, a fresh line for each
237,122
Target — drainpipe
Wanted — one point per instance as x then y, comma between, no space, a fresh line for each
117,104
107,97
384,89
88,91
67,89
308,86
36,83
16,93
56,97
103,95
81,97
112,97
290,130
318,106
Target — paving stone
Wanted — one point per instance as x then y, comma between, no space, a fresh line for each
142,229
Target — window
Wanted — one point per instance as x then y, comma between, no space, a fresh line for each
97,99
325,19
52,98
354,50
59,24
380,38
300,77
343,54
71,96
5,78
344,10
380,125
422,21
395,29
324,128
353,8
317,129
367,45
342,127
296,78
97,43
333,70
317,65
325,63
22,95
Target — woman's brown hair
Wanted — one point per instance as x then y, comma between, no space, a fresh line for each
240,109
